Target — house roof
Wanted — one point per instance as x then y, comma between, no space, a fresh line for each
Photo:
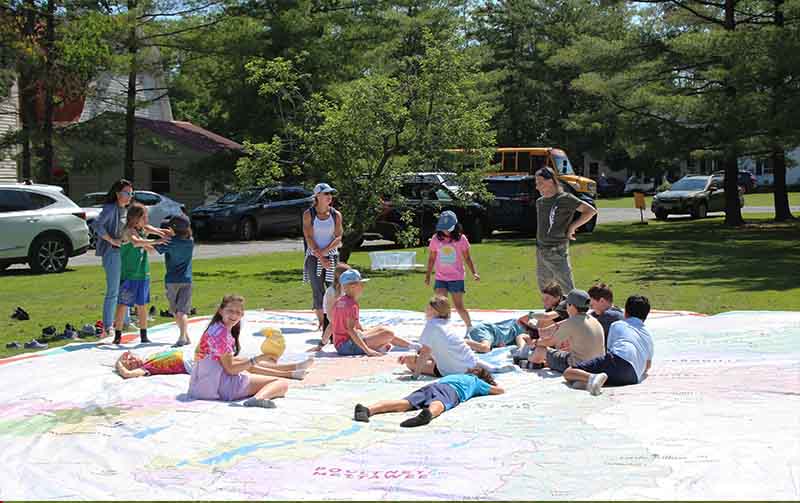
190,135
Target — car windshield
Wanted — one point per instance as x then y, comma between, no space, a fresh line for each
505,188
91,200
239,197
689,184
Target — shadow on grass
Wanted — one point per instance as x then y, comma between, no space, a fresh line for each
29,272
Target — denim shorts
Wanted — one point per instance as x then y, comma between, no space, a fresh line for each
451,286
436,392
349,348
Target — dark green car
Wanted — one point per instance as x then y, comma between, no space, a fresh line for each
695,195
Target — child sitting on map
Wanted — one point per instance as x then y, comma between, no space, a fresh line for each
349,337
435,398
172,361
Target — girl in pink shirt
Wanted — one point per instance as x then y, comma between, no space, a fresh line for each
449,250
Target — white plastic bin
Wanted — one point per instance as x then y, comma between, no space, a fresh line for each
394,260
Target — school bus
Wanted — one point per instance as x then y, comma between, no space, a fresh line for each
529,159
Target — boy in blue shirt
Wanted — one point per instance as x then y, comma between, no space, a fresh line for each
435,398
178,278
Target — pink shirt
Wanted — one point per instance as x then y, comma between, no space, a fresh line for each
345,308
449,257
215,342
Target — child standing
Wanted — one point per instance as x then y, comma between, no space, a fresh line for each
178,278
435,398
349,337
219,373
449,249
134,289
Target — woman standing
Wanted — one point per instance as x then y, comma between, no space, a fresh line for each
108,228
555,228
322,229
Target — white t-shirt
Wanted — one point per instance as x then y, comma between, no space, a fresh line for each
328,300
451,353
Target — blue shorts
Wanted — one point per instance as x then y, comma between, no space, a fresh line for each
450,286
134,292
620,372
426,395
349,348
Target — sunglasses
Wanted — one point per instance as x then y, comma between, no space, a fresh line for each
127,193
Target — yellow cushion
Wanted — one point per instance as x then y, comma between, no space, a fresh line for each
274,344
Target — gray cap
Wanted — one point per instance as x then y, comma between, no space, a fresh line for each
578,298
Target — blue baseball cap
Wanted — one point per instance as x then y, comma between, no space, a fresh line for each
447,221
351,276
323,188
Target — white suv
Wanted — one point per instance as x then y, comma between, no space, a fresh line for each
40,226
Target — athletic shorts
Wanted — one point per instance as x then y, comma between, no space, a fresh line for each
620,372
424,396
134,292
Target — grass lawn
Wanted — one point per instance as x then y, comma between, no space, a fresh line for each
751,200
680,264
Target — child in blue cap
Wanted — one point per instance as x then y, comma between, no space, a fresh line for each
449,249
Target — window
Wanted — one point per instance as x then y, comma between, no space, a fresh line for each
763,167
146,198
443,195
159,180
20,200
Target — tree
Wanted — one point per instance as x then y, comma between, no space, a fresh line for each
367,134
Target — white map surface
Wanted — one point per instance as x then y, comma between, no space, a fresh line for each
716,419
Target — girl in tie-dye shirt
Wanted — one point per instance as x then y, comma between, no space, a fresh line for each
166,362
220,373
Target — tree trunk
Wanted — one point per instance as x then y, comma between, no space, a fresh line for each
130,106
733,211
27,93
781,198
47,162
777,156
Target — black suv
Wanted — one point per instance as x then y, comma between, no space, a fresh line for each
251,212
427,200
514,204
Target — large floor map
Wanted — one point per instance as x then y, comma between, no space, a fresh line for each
717,418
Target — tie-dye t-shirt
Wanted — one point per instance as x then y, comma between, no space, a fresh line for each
215,342
449,257
166,362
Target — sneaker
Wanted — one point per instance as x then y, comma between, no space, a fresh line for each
152,311
13,345
49,331
34,344
193,311
87,331
117,339
20,314
596,382
421,419
144,340
99,327
361,413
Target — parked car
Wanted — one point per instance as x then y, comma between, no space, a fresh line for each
608,186
40,226
693,194
514,203
159,207
635,183
747,181
427,201
445,178
252,212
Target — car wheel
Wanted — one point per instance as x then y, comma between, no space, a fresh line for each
247,229
475,233
661,214
700,211
49,254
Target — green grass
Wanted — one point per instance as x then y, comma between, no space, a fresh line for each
750,200
680,264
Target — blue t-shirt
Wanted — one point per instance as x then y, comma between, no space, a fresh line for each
178,260
466,385
629,340
611,315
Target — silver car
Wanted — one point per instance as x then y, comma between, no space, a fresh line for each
40,226
159,207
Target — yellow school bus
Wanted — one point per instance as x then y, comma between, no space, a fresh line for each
529,159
